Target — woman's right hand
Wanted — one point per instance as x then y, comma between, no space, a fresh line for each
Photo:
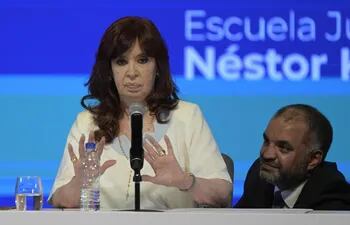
77,162
68,196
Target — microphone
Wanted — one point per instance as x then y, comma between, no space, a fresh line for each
136,111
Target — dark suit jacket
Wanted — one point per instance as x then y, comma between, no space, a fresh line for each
326,189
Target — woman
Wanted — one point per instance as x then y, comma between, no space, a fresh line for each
183,165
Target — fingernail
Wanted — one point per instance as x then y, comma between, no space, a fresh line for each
145,140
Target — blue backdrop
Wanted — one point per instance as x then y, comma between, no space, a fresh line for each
239,60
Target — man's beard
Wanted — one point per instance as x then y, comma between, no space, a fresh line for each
286,179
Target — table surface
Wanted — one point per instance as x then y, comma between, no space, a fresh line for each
177,217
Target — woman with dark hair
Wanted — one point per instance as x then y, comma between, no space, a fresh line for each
183,165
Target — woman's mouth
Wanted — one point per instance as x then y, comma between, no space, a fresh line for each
133,87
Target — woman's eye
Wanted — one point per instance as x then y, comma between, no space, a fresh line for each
120,62
143,60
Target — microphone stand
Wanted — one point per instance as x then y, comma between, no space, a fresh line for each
136,151
136,154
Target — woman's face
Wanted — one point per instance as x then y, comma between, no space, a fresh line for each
134,73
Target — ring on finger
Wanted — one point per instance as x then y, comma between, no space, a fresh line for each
74,159
161,152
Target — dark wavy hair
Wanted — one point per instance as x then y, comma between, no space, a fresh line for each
117,39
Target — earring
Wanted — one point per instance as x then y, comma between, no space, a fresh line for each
157,74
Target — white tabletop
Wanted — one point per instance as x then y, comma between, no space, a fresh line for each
177,217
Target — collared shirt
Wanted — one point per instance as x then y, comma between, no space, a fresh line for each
291,196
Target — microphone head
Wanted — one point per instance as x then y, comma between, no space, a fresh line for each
136,107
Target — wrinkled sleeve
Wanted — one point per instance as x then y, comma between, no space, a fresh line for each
205,157
66,170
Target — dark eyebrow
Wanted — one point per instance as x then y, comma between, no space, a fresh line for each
123,56
284,144
142,54
279,143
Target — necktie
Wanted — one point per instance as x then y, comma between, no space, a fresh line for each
278,201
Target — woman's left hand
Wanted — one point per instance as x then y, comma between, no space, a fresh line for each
167,170
213,192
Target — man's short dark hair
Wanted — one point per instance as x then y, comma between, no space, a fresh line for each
319,126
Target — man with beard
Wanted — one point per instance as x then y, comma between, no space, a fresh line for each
291,171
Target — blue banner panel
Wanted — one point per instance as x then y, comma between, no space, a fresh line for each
240,60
